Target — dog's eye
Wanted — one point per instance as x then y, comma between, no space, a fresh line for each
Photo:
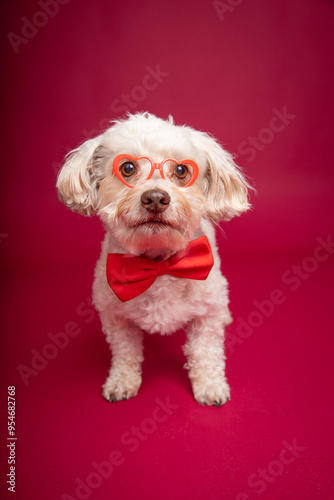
181,171
128,169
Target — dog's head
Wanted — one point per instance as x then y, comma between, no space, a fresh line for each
152,182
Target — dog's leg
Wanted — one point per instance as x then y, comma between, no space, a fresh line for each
206,362
126,344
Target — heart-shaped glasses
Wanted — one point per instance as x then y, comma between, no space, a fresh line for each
127,168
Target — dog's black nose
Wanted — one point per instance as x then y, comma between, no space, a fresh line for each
155,200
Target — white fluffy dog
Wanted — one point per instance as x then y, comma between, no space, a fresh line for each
157,187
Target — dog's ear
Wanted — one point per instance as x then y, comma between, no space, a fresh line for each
225,186
79,179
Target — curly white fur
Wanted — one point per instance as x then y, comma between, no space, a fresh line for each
87,185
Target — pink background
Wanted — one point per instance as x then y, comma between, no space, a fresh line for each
229,71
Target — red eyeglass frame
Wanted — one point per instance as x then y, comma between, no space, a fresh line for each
154,167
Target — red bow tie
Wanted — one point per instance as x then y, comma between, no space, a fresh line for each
129,275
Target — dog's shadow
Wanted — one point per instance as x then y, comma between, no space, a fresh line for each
164,359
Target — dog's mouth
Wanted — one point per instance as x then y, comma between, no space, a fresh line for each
154,223
152,235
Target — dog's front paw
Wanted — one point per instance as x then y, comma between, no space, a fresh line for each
121,386
211,392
